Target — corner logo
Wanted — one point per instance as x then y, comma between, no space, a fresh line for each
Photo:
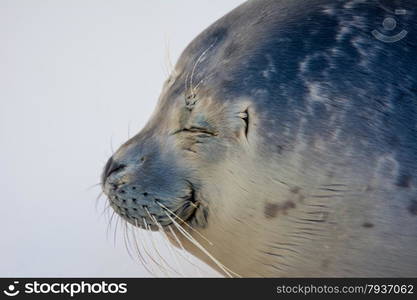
390,24
11,289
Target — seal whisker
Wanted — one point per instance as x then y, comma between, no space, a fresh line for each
148,254
93,186
156,248
125,240
138,250
202,80
156,263
105,210
167,243
193,204
110,223
226,270
185,84
111,145
168,62
176,216
141,258
115,230
186,257
160,266
195,66
98,199
128,130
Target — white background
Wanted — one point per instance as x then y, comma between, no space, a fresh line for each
74,77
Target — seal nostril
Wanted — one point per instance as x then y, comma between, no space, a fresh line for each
111,167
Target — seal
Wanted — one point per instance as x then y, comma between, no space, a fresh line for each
284,143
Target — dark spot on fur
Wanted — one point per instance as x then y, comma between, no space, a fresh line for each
325,263
412,208
367,225
217,35
404,181
298,196
286,206
369,188
295,190
273,209
230,50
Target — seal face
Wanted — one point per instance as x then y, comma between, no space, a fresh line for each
287,136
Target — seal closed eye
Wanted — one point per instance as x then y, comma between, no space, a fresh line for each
283,144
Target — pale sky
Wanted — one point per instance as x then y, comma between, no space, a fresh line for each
75,77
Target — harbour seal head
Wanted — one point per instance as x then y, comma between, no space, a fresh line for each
283,144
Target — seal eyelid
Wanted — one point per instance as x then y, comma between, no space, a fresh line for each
197,129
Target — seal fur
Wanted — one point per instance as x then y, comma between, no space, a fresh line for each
286,135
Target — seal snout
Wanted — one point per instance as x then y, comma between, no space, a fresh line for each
147,187
128,197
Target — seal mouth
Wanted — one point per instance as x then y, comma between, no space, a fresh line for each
159,213
185,212
190,205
